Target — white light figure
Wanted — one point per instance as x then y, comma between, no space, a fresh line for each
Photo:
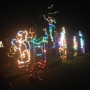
75,45
1,44
23,46
63,44
82,46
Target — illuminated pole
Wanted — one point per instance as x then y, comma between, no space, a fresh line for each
44,51
63,44
56,43
82,45
75,45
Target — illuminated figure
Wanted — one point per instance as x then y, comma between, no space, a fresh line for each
75,45
82,45
51,27
51,23
63,45
23,47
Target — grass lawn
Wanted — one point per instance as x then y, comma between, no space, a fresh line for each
71,74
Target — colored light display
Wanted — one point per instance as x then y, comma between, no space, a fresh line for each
82,45
63,44
40,43
23,46
75,45
39,51
51,22
51,26
56,39
52,32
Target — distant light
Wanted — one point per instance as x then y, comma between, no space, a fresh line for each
80,34
63,28
1,44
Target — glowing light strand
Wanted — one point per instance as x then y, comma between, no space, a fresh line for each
12,51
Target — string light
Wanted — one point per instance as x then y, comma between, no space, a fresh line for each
12,51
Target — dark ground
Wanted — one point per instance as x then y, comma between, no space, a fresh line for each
71,74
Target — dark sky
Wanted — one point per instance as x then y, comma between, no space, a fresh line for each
20,15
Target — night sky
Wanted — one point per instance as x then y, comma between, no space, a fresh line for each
18,15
